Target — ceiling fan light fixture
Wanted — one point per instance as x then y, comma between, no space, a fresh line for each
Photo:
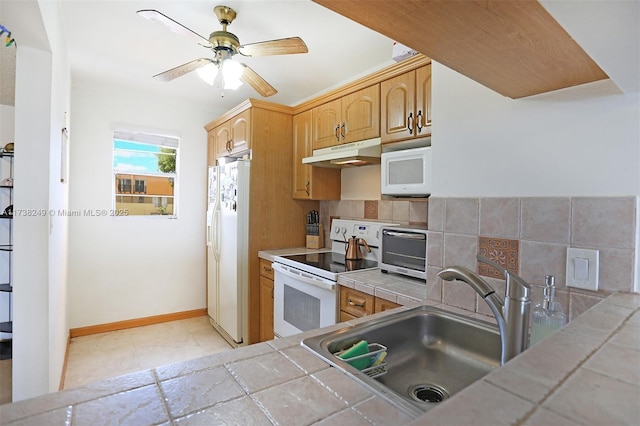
208,73
231,72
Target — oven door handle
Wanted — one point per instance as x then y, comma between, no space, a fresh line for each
304,277
408,235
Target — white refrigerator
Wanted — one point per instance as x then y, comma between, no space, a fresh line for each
227,249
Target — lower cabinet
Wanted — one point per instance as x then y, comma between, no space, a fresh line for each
356,304
266,300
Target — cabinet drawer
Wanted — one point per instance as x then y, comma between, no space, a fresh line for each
356,302
382,305
265,269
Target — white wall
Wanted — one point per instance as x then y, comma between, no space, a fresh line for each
7,126
123,268
577,141
39,258
581,141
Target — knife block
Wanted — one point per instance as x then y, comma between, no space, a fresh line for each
315,236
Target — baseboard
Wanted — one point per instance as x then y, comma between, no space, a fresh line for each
139,322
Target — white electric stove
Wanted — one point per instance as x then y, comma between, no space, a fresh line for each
305,285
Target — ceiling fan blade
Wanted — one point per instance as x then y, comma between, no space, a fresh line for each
171,25
182,69
283,46
258,83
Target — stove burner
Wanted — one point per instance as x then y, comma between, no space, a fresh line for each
333,262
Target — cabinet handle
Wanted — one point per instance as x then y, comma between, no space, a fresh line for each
307,188
419,121
267,269
410,123
338,133
343,130
357,305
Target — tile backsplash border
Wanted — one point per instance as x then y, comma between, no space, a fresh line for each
544,227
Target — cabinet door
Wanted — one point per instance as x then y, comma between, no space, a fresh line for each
310,183
221,137
326,122
423,100
398,107
266,309
361,115
382,305
302,147
211,148
240,132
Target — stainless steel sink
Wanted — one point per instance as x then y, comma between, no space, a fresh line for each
431,355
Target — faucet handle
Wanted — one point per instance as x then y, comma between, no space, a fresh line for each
515,292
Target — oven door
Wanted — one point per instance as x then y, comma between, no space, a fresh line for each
302,301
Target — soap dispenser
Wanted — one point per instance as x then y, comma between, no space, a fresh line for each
547,315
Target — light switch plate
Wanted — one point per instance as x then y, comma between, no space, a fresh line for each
579,262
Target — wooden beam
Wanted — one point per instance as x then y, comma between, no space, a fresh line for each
513,47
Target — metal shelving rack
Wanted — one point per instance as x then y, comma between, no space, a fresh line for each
7,246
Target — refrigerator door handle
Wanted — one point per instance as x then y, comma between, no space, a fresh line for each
209,225
215,234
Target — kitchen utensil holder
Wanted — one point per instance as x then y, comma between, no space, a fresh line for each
315,236
374,350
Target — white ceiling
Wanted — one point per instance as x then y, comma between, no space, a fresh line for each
108,41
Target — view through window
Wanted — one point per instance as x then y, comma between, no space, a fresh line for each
144,173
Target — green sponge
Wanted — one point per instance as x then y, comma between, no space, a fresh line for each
360,348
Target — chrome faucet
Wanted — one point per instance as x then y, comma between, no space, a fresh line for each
512,314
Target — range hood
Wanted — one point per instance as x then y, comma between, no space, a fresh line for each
360,153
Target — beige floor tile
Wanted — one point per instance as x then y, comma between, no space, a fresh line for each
111,354
210,342
153,356
100,342
87,367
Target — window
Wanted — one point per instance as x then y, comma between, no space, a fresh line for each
144,173
140,186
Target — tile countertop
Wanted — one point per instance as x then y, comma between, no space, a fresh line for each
587,373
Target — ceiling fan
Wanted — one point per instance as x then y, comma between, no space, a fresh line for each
224,46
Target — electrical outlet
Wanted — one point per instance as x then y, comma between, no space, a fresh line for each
583,268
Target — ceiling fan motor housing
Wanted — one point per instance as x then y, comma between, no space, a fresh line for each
224,39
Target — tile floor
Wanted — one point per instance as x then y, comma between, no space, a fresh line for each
112,354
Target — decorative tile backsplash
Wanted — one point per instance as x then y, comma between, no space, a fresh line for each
533,234
502,251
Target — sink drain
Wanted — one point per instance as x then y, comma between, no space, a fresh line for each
428,393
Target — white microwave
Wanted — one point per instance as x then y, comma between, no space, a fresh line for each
406,173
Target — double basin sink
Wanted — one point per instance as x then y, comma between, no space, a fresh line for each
430,355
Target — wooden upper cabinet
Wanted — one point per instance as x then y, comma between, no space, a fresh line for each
406,106
326,124
361,115
423,96
221,136
351,118
310,183
301,148
211,149
240,131
232,136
